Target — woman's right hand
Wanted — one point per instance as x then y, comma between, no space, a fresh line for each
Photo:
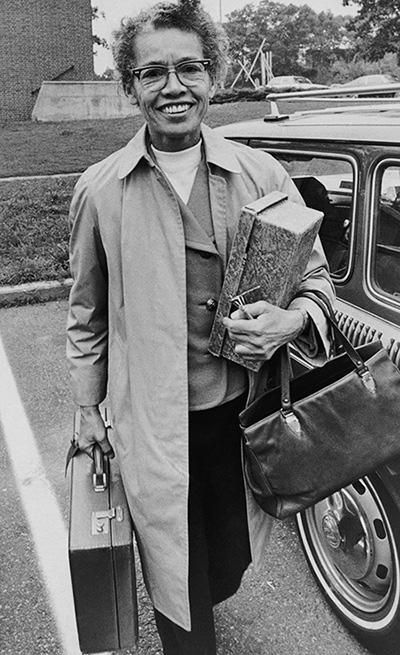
92,430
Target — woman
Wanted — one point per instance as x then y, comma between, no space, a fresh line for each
152,229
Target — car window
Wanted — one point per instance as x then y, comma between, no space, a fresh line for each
386,230
326,184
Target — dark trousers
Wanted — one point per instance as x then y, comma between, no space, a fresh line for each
219,550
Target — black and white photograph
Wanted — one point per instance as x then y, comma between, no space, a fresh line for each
200,327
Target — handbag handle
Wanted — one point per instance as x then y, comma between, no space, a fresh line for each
359,365
323,303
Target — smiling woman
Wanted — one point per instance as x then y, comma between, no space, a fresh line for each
172,108
152,228
169,62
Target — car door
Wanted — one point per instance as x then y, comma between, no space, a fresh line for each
352,539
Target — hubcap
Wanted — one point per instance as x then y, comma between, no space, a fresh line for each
354,547
331,532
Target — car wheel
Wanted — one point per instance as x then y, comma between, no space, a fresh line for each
352,544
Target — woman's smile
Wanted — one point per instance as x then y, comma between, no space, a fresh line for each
175,111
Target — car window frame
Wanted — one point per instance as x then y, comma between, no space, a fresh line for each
339,280
384,299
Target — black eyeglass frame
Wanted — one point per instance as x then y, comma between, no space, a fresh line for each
172,69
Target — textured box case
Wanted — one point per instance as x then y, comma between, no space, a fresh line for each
271,248
102,560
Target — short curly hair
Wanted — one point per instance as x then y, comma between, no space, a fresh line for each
186,15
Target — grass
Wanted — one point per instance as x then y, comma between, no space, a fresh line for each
68,147
34,230
33,213
43,148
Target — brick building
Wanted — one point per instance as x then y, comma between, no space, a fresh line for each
41,40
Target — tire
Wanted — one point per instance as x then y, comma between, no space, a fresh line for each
351,541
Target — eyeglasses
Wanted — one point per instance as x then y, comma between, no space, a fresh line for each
189,73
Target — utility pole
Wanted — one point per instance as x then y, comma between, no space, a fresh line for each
220,11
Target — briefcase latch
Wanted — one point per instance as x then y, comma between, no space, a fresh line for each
101,519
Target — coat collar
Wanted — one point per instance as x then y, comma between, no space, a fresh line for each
218,151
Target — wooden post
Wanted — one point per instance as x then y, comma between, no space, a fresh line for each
259,53
262,62
268,65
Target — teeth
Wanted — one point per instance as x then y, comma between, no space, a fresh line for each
175,109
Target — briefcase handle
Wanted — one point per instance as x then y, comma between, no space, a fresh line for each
101,469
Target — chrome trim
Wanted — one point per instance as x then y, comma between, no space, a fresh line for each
394,351
336,91
383,299
357,332
336,94
386,327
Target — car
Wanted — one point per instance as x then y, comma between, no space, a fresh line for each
365,82
283,83
345,161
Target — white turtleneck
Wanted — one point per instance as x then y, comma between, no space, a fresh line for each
180,167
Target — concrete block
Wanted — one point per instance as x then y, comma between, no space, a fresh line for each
69,101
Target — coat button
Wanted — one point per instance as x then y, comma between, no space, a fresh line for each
211,304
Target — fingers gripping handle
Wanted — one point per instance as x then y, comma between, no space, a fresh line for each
100,475
100,472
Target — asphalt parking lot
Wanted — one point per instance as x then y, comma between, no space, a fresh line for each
278,610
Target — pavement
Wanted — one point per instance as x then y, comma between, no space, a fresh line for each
278,611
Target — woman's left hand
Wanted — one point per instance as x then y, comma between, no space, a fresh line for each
258,338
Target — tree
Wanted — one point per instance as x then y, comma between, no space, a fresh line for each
377,26
329,42
301,41
342,71
97,40
109,74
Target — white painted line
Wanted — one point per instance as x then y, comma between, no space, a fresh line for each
40,505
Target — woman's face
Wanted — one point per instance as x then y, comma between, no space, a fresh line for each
173,113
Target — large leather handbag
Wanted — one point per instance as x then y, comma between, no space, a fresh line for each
101,553
313,435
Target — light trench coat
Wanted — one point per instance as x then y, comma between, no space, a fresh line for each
127,333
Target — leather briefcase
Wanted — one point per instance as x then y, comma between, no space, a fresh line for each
101,555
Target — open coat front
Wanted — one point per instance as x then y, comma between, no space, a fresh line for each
127,329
